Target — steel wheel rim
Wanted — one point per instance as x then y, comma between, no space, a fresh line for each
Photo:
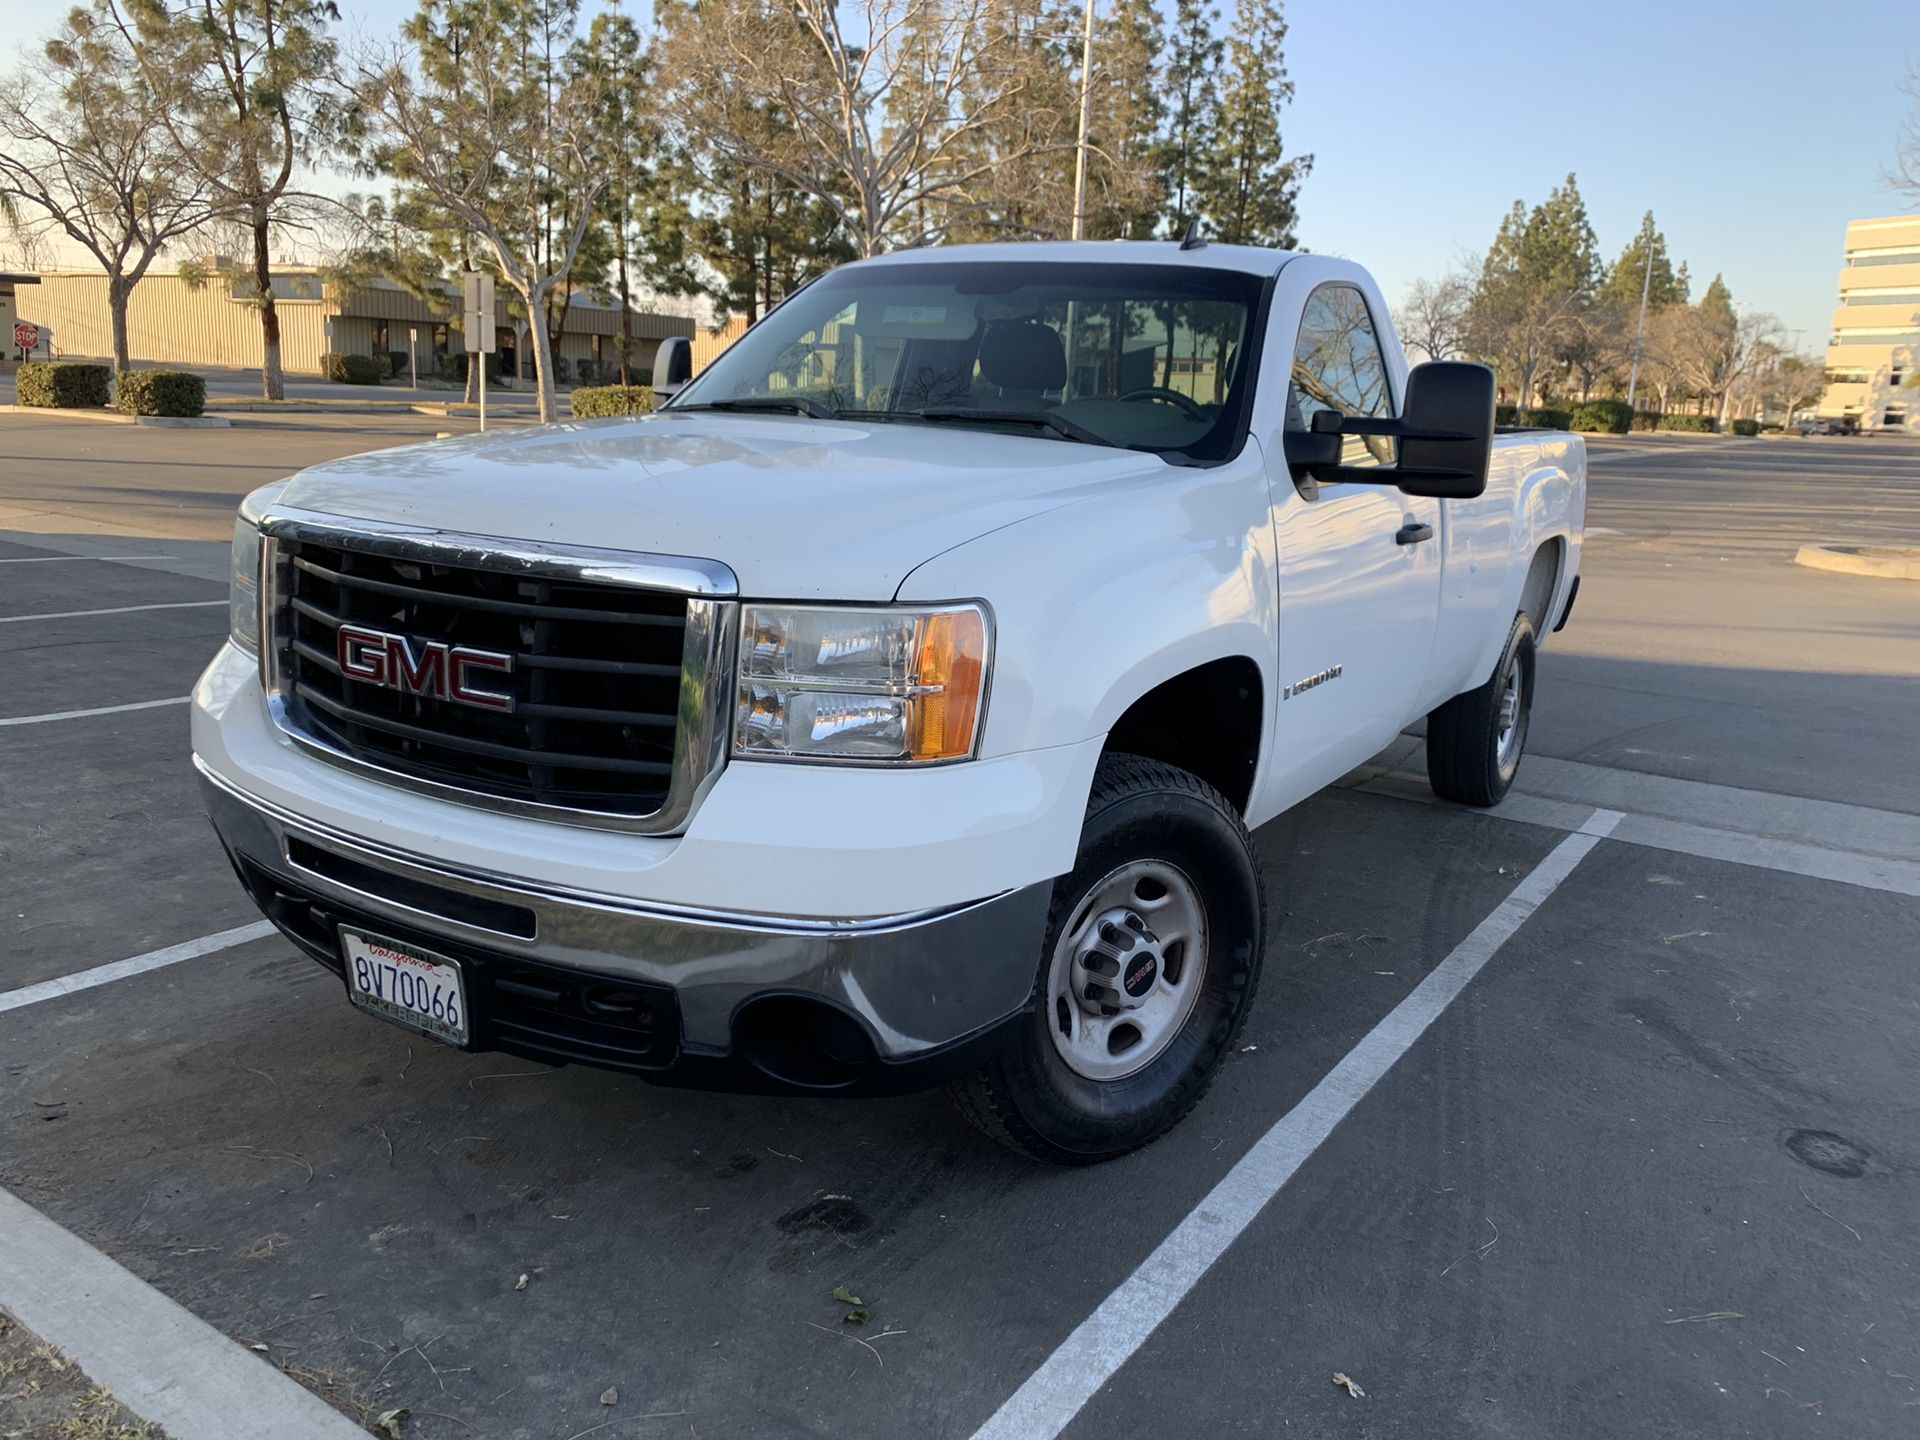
1107,1042
1507,725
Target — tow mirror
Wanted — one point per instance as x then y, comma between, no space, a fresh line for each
672,366
1444,433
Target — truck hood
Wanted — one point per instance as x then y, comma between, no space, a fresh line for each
798,508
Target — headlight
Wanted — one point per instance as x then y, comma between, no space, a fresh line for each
899,686
243,591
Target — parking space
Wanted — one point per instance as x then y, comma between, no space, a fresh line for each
1606,1191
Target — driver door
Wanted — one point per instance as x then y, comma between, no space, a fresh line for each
1359,565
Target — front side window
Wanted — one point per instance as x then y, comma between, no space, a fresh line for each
1144,357
1337,365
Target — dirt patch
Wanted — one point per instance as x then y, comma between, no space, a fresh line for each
44,1395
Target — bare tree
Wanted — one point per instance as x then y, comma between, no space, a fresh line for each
1905,175
1433,317
83,152
504,139
898,114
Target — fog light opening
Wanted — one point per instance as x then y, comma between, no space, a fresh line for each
802,1042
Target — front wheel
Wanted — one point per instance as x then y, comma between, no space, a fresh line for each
1475,740
1149,965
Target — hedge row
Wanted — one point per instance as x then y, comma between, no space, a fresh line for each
1692,424
354,369
1537,417
63,386
1613,417
160,392
612,400
1746,427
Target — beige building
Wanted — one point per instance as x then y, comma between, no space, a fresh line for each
1875,349
174,321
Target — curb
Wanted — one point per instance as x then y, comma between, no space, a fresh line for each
1882,562
114,417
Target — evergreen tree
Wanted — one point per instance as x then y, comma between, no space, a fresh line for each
1126,191
1249,190
1193,107
242,85
1625,278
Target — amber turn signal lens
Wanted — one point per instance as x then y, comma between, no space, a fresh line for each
950,676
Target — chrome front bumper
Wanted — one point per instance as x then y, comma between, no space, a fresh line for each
917,986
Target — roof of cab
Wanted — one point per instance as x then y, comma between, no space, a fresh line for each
1250,259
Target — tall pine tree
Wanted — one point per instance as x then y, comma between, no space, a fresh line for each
1249,189
1193,107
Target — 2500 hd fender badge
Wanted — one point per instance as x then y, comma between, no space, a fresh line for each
1319,677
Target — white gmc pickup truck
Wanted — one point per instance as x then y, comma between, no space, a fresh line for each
891,707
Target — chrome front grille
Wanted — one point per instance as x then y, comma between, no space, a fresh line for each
603,675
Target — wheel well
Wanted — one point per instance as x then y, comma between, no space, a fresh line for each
1543,579
1206,720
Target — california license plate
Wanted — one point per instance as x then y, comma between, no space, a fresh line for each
407,985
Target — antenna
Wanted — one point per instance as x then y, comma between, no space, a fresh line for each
1194,240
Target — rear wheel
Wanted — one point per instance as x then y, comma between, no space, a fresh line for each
1475,740
1147,971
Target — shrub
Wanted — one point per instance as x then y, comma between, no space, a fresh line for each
397,362
593,402
1610,416
1692,424
1549,419
1503,415
1746,427
160,392
1646,419
352,369
64,386
454,367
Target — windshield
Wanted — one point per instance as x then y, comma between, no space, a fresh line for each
1147,357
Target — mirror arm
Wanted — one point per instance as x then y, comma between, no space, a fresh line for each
1332,422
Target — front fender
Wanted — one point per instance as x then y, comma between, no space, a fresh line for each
1099,601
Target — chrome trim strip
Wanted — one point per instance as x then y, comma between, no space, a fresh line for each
680,574
706,658
515,890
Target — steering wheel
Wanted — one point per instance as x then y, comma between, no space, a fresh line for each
1183,403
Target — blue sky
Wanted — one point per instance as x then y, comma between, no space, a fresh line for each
1753,131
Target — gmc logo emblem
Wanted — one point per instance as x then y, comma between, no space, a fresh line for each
437,670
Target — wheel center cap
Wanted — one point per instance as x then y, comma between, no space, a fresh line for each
1118,964
1138,974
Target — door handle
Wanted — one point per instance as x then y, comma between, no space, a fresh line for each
1413,532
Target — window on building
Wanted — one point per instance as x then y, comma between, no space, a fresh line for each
380,345
440,339
1894,415
1894,257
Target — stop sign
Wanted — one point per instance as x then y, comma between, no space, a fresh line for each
26,337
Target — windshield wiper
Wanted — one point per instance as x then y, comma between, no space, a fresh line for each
1039,419
771,404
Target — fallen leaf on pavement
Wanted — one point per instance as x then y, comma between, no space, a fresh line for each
610,1396
1347,1385
846,1296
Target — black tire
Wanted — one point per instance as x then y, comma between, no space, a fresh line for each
1465,761
1029,1097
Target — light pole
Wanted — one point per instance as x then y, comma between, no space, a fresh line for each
1086,110
1640,331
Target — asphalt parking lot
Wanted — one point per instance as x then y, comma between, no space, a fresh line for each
1653,1172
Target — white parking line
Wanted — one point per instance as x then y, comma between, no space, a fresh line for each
165,1364
101,710
55,559
115,610
120,969
1106,1339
